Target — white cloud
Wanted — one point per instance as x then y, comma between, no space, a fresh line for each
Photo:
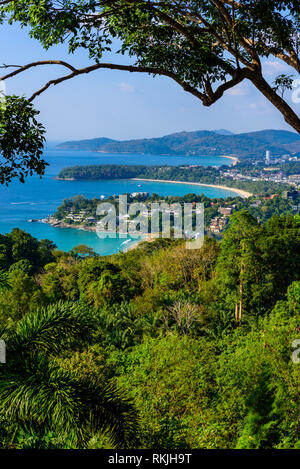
239,90
261,106
127,87
2,88
273,67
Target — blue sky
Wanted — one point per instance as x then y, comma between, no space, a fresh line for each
123,105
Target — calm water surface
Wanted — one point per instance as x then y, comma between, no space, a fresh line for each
38,198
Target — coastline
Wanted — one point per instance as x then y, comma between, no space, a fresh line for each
104,152
61,224
92,229
240,192
133,244
64,179
149,238
233,158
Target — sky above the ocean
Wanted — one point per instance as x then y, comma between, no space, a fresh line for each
124,105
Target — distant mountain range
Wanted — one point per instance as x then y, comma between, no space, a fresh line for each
246,146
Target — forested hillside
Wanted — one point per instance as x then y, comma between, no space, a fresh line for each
159,347
252,145
200,174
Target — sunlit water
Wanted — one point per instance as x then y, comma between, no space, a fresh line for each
38,198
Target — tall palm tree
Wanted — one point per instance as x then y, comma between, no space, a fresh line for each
37,393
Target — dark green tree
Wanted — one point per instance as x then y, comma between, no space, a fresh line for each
22,245
37,394
257,263
82,251
236,262
21,140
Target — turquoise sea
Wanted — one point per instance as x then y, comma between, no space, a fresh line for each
38,198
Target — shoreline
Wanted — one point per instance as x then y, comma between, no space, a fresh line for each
240,192
55,223
64,179
92,229
233,158
103,152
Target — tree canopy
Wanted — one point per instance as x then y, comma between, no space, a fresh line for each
157,347
206,47
21,140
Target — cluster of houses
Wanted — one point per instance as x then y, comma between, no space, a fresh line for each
294,197
270,174
80,217
218,223
139,194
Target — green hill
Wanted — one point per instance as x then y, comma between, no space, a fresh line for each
246,146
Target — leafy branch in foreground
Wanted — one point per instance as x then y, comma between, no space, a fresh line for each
207,47
21,140
37,393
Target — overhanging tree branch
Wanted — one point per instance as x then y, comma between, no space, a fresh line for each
22,68
207,99
128,68
200,45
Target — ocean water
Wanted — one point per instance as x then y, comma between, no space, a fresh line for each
38,198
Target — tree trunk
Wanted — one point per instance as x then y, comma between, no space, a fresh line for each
241,302
236,312
241,291
289,115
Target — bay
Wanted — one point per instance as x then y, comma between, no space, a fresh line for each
38,198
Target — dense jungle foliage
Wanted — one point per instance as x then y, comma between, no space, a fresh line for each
158,347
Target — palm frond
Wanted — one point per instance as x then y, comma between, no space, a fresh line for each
111,412
50,330
44,396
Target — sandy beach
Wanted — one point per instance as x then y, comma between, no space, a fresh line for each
240,192
233,158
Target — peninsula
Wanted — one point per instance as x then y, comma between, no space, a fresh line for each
235,179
